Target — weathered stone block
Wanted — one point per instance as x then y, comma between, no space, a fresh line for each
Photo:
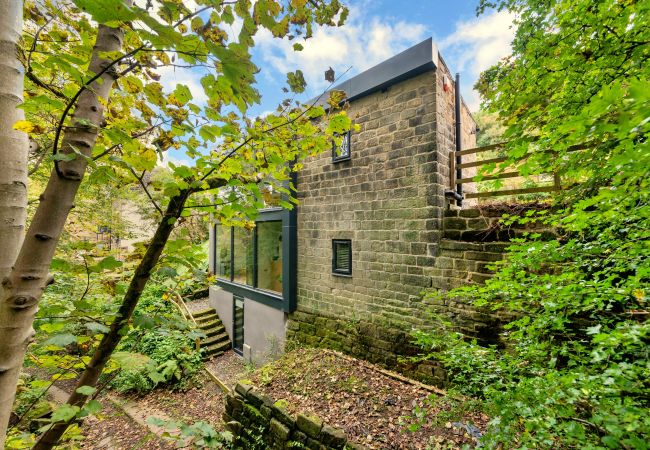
278,430
333,437
310,425
242,389
283,416
469,213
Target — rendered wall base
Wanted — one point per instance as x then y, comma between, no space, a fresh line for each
264,331
222,301
264,327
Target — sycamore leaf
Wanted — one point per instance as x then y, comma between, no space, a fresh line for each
92,407
182,93
106,11
107,263
86,390
65,413
61,340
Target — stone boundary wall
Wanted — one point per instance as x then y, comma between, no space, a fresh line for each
251,416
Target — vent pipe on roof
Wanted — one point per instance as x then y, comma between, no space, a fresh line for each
459,171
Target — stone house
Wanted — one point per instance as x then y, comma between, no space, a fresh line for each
362,244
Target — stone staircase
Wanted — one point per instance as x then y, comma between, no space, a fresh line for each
216,341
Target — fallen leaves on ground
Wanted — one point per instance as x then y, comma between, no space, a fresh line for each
374,409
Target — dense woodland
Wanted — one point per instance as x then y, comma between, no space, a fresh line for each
85,125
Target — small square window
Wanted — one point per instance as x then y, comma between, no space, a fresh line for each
342,152
342,257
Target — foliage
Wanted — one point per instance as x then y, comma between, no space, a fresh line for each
574,371
490,131
231,158
172,357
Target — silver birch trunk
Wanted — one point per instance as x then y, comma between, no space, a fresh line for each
13,199
25,284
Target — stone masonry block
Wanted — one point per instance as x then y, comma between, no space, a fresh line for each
309,425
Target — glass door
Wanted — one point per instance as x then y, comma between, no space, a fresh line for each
238,325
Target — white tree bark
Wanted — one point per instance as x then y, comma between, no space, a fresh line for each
13,198
24,285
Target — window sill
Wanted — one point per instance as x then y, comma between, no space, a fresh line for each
343,159
268,298
342,275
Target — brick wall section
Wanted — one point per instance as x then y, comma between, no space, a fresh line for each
386,199
389,200
250,416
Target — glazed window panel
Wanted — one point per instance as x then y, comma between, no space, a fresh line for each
342,257
222,256
269,256
243,256
342,152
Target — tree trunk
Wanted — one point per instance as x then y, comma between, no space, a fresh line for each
109,342
23,287
13,190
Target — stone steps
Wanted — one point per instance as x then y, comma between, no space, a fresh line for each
216,340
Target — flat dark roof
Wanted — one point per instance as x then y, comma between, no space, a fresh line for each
413,61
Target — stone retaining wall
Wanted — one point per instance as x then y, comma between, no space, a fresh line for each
471,241
259,422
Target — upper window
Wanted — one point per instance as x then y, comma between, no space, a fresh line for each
342,152
252,258
342,257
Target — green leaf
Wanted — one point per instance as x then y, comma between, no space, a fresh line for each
296,81
65,413
106,11
182,94
108,263
86,390
92,407
61,340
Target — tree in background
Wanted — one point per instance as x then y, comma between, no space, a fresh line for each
94,104
575,97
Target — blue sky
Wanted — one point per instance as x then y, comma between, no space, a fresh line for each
375,31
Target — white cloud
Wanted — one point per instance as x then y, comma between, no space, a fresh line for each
476,45
361,43
171,76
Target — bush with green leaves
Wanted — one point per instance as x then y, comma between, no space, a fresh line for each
575,368
159,350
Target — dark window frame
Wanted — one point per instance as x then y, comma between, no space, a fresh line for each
347,157
335,270
285,301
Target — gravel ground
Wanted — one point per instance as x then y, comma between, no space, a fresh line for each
229,368
198,305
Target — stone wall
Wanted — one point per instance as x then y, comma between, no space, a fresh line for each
385,199
258,422
471,240
388,199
